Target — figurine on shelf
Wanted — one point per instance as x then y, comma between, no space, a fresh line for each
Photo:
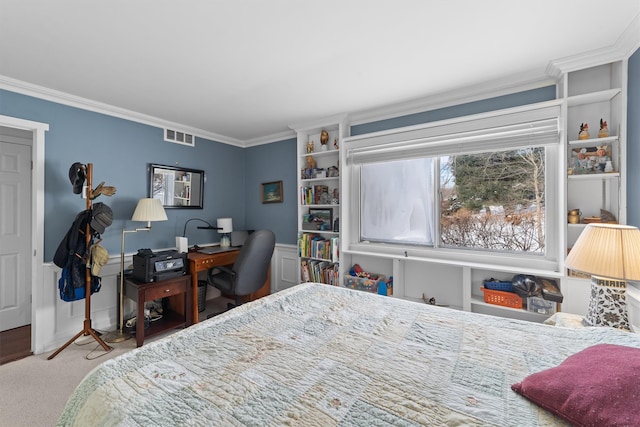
584,131
582,163
324,139
602,157
310,147
335,143
604,129
608,167
311,163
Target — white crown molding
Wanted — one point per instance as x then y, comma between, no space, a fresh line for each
59,97
464,95
321,123
623,48
276,137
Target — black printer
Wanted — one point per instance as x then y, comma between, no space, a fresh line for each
149,266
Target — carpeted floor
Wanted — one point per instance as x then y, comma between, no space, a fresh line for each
34,390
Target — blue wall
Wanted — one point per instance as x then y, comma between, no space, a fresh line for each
268,163
120,151
633,141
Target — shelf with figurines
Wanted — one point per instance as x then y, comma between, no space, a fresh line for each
589,156
326,148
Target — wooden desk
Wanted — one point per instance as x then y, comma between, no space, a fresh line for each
202,262
177,313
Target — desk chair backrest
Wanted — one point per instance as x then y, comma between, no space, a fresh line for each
252,264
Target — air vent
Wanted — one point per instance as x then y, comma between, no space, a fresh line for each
179,137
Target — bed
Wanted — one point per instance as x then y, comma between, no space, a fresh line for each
326,356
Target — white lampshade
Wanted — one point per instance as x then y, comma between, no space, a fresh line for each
225,225
149,210
607,250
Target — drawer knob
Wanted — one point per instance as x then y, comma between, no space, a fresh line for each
167,290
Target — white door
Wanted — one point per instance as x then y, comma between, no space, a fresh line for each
15,228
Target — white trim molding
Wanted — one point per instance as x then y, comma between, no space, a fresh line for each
37,220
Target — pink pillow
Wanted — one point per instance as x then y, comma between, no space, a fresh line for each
599,386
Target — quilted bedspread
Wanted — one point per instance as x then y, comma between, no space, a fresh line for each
318,355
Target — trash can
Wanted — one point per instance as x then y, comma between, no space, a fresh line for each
202,295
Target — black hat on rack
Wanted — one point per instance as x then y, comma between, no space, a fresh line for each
76,176
101,217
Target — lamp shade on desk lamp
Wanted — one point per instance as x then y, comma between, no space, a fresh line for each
611,254
225,228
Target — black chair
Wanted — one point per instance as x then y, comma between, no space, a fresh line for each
249,271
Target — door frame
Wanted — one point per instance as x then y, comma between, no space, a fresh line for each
37,221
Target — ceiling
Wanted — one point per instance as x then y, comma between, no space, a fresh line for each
244,70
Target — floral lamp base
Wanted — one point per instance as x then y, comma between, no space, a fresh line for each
608,304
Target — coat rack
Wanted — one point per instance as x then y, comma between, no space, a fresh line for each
87,329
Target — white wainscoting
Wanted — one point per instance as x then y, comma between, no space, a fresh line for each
283,267
57,321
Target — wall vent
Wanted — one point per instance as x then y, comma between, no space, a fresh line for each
179,137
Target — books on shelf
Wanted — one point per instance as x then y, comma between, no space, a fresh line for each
313,195
314,245
319,271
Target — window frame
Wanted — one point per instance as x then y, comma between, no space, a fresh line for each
433,139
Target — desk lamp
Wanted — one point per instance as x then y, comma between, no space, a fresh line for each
225,228
147,210
611,254
182,243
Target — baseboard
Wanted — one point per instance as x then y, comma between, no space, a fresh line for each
15,344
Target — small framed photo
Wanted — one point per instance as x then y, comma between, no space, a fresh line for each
323,218
271,192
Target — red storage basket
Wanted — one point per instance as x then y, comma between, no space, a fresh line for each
505,299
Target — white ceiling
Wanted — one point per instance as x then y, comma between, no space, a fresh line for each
245,70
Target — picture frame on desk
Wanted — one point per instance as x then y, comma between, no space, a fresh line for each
271,192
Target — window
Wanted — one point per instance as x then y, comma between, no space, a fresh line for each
494,201
483,184
397,201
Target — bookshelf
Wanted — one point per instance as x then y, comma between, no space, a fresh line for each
319,211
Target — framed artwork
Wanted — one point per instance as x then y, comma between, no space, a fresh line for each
322,217
271,192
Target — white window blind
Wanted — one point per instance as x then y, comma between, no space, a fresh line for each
531,127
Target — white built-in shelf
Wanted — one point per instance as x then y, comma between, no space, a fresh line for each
594,176
318,154
592,142
329,178
580,225
336,233
590,98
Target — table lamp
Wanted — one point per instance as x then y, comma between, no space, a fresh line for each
611,254
147,210
225,228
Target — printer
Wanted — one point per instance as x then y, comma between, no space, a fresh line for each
149,266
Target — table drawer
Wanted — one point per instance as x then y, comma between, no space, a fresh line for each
223,258
166,290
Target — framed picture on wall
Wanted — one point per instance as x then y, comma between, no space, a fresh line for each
271,192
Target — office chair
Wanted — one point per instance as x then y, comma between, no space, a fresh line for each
249,271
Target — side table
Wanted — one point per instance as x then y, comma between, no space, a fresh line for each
177,311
